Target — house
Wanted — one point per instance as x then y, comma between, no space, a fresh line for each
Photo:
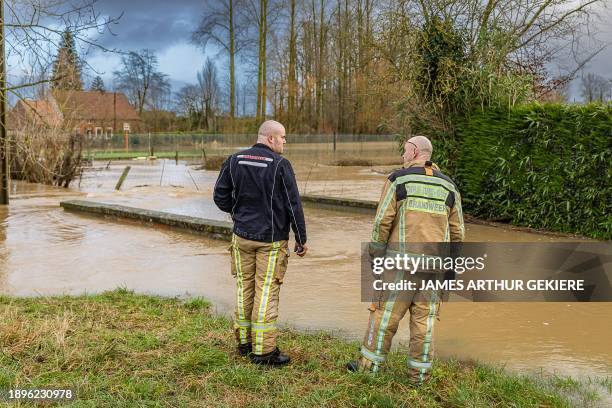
92,113
43,112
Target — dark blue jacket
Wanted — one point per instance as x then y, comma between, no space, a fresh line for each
258,188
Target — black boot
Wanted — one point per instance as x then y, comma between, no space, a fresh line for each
275,358
353,366
245,349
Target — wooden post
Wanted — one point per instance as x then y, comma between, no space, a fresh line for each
203,151
335,133
122,178
4,162
176,154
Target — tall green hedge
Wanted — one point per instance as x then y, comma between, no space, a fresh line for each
545,166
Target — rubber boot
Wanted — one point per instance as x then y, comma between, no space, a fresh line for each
275,358
245,349
353,366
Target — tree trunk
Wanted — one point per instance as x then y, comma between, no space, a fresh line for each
292,85
319,96
232,66
264,82
260,61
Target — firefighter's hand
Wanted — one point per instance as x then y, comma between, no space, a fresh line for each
300,250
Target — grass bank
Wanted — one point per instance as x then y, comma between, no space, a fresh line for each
119,349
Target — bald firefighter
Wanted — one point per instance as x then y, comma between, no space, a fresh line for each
419,204
257,187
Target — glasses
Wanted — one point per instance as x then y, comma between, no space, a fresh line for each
415,147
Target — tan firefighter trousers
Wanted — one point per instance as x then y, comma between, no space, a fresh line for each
385,317
259,268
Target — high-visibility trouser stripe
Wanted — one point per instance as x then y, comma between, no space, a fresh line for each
373,357
460,212
384,322
242,323
378,245
418,364
266,327
428,335
447,233
381,212
265,295
243,329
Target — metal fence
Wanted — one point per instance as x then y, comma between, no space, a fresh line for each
323,147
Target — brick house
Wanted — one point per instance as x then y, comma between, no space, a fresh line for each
99,114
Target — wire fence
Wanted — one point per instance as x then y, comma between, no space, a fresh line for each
322,148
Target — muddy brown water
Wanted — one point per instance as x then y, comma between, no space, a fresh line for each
45,251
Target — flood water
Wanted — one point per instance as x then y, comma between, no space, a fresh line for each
45,251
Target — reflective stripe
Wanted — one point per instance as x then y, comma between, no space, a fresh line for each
265,295
379,358
243,330
418,364
402,228
242,323
385,318
428,334
263,326
248,156
426,179
460,213
250,163
426,190
381,212
447,232
426,205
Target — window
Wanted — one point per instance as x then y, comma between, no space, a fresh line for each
109,132
98,132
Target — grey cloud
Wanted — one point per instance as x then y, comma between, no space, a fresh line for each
155,24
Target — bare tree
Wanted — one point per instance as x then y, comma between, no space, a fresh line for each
189,103
139,77
595,88
199,102
208,85
223,26
31,31
158,100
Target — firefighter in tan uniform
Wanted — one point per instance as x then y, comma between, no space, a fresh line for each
257,187
419,204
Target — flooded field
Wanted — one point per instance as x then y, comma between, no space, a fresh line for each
45,251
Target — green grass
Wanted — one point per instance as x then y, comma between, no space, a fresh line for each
119,349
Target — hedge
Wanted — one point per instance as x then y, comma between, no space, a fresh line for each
544,166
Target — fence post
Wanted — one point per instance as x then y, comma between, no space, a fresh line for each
122,178
335,140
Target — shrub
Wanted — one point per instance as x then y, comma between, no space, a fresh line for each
545,166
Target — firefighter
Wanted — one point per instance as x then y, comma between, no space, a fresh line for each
257,187
419,204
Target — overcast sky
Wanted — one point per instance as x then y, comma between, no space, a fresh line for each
166,26
162,25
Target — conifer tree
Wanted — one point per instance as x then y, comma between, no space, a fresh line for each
67,65
98,84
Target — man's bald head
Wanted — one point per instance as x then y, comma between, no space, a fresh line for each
272,134
417,148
